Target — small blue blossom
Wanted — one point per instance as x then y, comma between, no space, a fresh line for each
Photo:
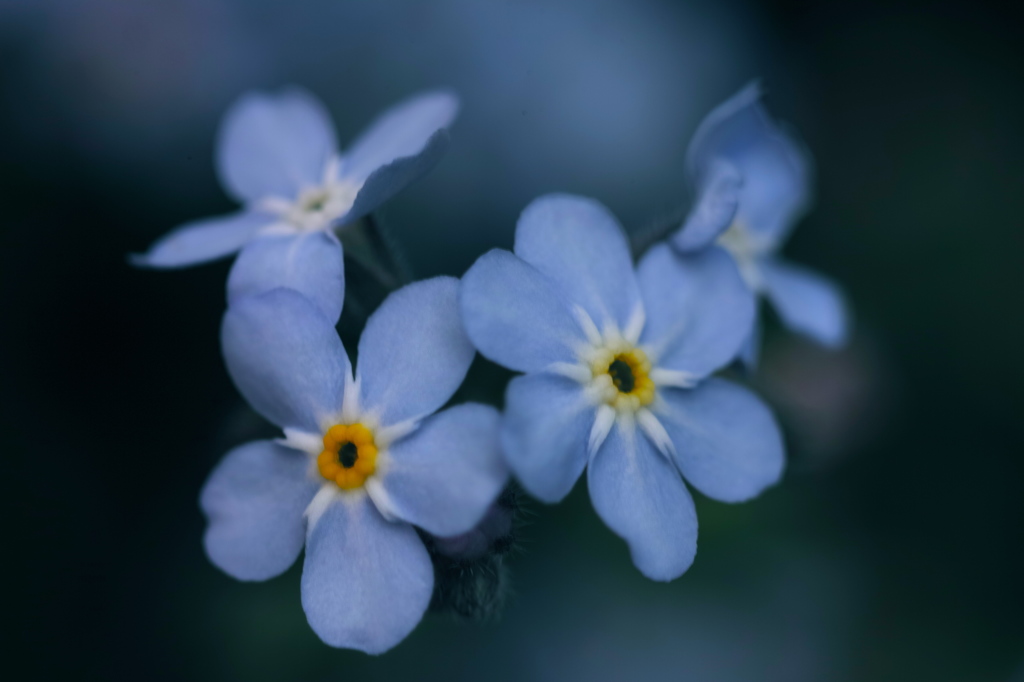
617,364
362,461
278,156
753,183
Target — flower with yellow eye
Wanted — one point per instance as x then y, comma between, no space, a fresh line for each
278,156
753,183
363,460
617,366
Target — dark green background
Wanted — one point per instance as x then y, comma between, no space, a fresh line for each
893,549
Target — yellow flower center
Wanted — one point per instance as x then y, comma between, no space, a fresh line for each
316,207
630,373
314,200
349,456
746,248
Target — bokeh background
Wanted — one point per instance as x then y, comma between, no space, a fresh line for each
893,549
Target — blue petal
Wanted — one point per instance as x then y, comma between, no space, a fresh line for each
203,240
807,302
274,144
496,525
776,169
727,443
714,210
640,495
580,245
444,477
389,180
699,311
545,432
414,354
776,188
310,263
286,358
366,582
405,130
254,501
515,316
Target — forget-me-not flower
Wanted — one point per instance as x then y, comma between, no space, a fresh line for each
617,365
363,460
753,183
278,156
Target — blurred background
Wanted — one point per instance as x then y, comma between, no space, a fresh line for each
892,550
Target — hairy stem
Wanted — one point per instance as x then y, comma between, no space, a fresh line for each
367,264
387,248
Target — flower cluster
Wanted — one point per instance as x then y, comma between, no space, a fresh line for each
374,474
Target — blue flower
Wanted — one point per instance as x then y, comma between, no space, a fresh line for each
617,367
363,460
278,156
753,183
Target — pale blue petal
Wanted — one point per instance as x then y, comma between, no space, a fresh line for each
714,209
728,130
545,432
807,302
727,443
285,358
496,525
404,144
254,501
515,316
776,187
776,169
405,130
366,582
274,144
389,180
642,498
414,354
310,263
203,240
444,477
699,311
580,245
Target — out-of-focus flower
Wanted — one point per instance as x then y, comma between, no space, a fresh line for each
835,402
617,364
278,156
363,459
753,183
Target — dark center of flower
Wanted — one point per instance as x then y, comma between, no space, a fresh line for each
622,375
347,455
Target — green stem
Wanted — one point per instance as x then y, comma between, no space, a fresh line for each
386,248
383,277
